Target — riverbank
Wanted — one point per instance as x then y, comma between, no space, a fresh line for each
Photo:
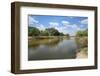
82,51
46,40
46,37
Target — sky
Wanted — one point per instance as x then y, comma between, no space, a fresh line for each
65,24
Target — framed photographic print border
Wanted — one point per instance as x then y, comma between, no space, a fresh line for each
15,37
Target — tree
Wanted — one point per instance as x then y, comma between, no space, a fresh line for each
30,31
53,32
67,35
33,31
44,33
61,34
82,33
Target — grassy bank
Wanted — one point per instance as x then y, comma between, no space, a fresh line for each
46,37
52,40
82,51
46,40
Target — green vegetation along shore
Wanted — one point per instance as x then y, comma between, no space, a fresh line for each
82,42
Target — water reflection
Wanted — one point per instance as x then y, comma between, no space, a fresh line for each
59,48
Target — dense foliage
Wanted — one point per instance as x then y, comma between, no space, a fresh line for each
33,31
82,33
53,32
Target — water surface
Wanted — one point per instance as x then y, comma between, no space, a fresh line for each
47,49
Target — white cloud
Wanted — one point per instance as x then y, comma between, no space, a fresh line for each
32,20
74,26
53,24
66,23
62,29
85,21
41,27
70,29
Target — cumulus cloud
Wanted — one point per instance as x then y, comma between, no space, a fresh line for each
62,29
74,26
65,23
53,24
32,20
41,27
85,21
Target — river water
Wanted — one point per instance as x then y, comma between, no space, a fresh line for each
53,49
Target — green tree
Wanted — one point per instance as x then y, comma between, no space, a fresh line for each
67,35
53,32
61,34
30,31
33,31
44,33
82,33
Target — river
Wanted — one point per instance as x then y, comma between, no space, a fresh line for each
48,49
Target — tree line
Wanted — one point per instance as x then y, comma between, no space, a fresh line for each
33,31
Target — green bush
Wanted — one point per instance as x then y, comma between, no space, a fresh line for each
82,33
33,31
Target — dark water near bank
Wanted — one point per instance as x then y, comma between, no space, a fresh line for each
47,49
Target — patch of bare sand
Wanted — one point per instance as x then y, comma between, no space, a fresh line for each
82,54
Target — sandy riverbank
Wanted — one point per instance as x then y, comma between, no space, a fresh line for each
82,53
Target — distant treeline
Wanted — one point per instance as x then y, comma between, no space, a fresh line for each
33,31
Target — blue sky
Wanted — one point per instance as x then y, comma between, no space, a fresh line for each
65,24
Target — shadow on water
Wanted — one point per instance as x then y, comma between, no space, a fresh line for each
57,48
